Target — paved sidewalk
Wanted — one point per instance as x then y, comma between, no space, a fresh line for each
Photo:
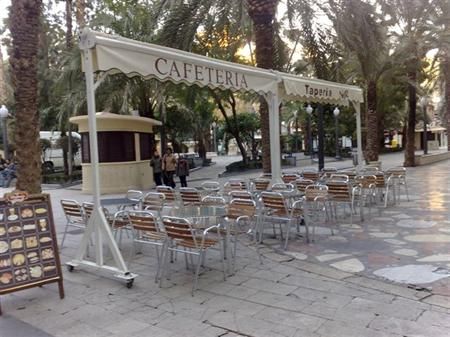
285,296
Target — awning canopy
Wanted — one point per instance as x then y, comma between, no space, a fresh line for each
116,54
293,87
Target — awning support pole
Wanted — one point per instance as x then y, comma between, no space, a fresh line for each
98,223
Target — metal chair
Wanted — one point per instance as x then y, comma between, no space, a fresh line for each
240,220
340,177
233,186
74,216
385,186
240,195
302,183
311,175
170,197
366,191
275,209
154,202
183,238
135,197
190,196
317,206
342,192
399,176
289,177
146,230
211,187
259,185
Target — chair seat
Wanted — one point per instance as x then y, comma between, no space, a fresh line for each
191,244
147,235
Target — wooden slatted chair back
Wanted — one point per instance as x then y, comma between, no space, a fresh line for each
302,183
366,181
381,180
143,221
72,209
274,203
234,185
351,174
240,195
241,207
190,196
339,190
261,184
169,193
289,177
179,229
316,192
341,177
277,187
311,175
153,201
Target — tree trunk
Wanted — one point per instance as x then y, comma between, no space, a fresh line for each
410,129
446,65
262,13
372,122
80,13
68,157
69,36
25,28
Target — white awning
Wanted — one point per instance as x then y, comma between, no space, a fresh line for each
293,87
115,54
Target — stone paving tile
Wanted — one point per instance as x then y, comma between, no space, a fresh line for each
289,318
435,318
398,310
439,300
330,299
338,329
407,328
277,288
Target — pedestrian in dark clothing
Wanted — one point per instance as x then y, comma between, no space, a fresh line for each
182,170
156,164
169,163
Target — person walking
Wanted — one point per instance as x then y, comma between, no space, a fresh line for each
182,170
156,164
169,163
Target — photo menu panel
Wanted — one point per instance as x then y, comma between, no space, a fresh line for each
28,249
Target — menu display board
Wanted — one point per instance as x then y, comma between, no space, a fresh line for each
28,248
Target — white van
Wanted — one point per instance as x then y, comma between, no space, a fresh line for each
55,154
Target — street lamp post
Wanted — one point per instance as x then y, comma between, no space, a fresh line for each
3,116
214,124
296,130
309,111
424,104
320,140
336,112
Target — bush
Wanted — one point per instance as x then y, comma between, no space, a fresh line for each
60,177
240,166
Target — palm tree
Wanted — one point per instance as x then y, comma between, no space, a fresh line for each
413,21
359,28
262,13
25,26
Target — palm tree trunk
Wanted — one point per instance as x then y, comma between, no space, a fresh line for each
372,122
410,130
262,13
25,27
80,13
446,65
